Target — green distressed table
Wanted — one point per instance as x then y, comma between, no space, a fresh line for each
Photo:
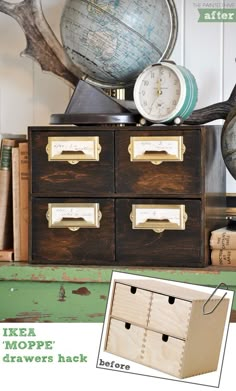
32,293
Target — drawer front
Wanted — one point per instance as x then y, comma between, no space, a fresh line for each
128,301
125,340
55,237
179,172
72,163
163,352
170,315
178,245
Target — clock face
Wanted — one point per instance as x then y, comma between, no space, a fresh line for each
159,92
165,92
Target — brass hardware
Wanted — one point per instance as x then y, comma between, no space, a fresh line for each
73,216
156,150
158,217
73,149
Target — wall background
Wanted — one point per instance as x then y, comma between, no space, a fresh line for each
29,96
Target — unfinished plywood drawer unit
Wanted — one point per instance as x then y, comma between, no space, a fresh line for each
175,329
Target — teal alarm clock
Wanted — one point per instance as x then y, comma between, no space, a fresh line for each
165,93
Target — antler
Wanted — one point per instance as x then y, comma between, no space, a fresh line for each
213,112
42,44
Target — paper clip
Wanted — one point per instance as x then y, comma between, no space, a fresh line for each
209,298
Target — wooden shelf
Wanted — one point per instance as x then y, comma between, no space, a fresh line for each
32,292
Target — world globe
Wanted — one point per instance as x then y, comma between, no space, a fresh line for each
112,41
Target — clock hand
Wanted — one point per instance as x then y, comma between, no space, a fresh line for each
159,91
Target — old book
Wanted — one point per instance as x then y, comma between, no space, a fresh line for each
223,239
6,255
23,185
223,257
16,202
6,230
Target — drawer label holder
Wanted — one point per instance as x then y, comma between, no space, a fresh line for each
158,217
73,215
73,149
156,150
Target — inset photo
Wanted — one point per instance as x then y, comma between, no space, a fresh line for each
165,329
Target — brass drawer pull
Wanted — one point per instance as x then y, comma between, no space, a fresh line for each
158,217
73,216
73,149
156,150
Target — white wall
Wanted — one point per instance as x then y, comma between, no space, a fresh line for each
28,96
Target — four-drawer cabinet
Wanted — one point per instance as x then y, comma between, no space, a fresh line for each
137,196
165,326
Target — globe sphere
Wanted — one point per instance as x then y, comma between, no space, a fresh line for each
113,41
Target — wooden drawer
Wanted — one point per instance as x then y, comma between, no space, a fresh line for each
163,352
52,175
180,336
169,315
125,340
146,347
127,302
170,177
58,244
172,247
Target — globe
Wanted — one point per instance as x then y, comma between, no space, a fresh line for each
112,41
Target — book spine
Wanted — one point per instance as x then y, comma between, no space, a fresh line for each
5,157
225,240
6,229
223,257
23,178
6,255
16,203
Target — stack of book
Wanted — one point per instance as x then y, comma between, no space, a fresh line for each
14,198
223,247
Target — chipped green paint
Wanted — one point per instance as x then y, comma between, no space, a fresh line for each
33,293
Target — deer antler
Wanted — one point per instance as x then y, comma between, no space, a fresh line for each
42,44
211,113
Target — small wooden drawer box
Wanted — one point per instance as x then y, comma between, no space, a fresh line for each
174,329
161,190
72,163
72,230
153,229
146,159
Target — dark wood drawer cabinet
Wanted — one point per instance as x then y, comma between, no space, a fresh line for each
145,196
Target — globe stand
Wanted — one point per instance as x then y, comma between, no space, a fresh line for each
90,105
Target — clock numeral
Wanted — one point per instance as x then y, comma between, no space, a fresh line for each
145,103
146,82
174,102
152,75
143,92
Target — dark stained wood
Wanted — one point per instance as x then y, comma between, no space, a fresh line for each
169,248
63,178
198,182
90,246
233,316
180,178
